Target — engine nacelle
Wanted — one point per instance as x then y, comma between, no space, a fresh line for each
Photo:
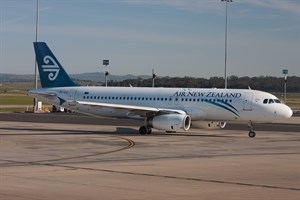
209,124
170,122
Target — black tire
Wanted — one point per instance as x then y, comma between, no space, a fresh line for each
149,130
143,130
252,134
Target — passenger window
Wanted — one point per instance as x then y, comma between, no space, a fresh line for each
271,101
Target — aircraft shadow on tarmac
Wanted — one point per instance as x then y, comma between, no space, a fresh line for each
123,131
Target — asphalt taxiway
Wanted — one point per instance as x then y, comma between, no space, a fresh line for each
69,156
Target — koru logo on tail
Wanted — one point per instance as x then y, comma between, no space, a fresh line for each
50,66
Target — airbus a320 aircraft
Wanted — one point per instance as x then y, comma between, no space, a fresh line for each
167,109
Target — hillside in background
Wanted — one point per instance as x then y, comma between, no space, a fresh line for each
93,76
264,83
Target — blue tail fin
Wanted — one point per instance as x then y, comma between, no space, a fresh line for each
52,74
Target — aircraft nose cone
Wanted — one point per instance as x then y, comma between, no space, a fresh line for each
285,112
288,112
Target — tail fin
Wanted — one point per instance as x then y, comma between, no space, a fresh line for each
52,74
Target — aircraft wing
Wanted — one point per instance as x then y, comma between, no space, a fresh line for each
142,111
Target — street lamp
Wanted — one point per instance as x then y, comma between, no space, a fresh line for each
153,77
285,72
35,100
105,63
225,75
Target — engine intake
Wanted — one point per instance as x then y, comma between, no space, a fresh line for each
170,122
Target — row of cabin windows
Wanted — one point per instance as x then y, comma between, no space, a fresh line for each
269,101
128,98
155,99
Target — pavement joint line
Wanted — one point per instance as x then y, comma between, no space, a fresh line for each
161,176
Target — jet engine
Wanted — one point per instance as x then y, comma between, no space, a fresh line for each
209,124
170,122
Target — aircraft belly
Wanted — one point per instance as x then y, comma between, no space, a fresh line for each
220,114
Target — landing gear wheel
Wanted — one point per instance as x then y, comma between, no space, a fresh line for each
149,130
252,134
145,130
251,131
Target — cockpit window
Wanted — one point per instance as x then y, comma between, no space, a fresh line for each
266,101
271,101
277,101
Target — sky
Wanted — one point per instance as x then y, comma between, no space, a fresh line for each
175,37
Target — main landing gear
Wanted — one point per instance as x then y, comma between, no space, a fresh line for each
145,130
251,129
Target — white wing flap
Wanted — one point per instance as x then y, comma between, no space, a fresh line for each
118,106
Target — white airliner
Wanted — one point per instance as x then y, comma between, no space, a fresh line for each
167,109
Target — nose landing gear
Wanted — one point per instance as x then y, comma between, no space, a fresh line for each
251,129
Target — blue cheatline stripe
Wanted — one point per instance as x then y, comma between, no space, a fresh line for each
217,104
229,106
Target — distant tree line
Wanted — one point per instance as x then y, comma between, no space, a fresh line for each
264,83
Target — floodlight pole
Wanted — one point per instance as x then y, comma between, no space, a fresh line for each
285,72
105,63
35,100
153,77
225,74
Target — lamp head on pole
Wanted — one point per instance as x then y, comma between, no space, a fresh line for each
285,71
105,62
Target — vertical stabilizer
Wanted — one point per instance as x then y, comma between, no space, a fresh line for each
52,74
